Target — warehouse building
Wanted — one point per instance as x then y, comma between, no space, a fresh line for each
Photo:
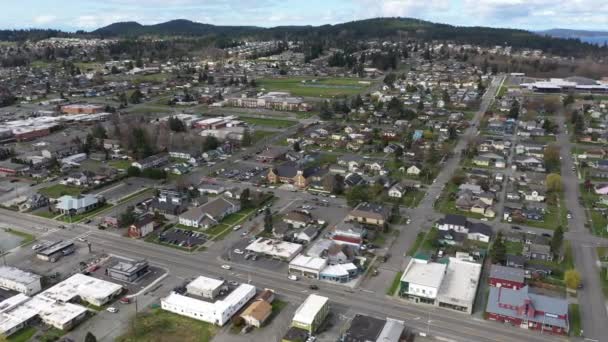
84,288
12,278
55,251
311,314
277,249
218,313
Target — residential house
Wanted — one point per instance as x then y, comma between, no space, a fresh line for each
369,214
209,214
538,252
458,223
143,226
515,261
151,162
306,235
414,170
257,313
33,202
298,218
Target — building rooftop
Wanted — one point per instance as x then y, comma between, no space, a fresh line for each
18,276
507,273
363,328
460,281
424,273
83,286
272,247
205,283
311,306
304,261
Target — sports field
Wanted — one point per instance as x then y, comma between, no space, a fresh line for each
315,87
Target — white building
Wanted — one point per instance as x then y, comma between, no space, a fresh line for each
459,285
306,266
218,313
421,280
275,248
91,290
15,279
205,287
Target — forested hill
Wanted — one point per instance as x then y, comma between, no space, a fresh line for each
378,28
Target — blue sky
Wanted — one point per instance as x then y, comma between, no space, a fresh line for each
91,14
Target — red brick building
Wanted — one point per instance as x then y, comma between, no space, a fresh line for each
510,277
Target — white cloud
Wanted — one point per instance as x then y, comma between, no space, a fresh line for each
44,19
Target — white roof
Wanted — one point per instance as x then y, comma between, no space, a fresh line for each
69,202
272,247
206,284
83,286
308,310
424,273
242,291
18,276
339,270
237,295
304,261
460,281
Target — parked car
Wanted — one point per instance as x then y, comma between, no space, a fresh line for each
292,277
237,227
226,267
313,287
112,309
239,251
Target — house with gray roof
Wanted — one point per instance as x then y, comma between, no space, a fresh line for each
210,213
523,308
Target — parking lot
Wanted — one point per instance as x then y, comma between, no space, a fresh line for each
238,253
99,271
114,192
182,238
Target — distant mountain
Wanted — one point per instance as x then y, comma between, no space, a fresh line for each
179,27
593,37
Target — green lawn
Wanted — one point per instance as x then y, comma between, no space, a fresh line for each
53,334
261,135
419,238
136,194
321,87
58,190
26,238
45,214
277,307
160,325
84,216
575,319
120,164
514,248
23,335
428,244
395,284
274,123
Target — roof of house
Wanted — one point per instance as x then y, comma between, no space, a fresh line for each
214,209
507,273
543,309
298,216
259,310
371,210
456,220
480,228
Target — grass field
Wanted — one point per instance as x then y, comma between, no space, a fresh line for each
261,135
395,284
575,319
58,190
26,238
274,123
120,164
23,335
83,216
419,238
163,326
311,87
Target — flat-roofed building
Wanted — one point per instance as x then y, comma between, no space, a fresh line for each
282,250
309,267
88,289
311,313
127,270
55,251
18,280
421,281
459,286
205,287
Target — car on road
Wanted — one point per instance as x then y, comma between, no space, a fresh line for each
484,219
226,267
238,251
81,239
233,283
112,309
569,216
125,300
237,227
37,247
313,287
292,277
515,228
244,234
546,235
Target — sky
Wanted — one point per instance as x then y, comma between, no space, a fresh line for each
73,15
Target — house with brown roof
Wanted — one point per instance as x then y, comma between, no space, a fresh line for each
143,226
257,313
370,214
298,218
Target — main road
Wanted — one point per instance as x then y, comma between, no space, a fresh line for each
447,324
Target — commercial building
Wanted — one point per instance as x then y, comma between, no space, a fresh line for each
127,270
459,286
205,287
503,276
15,279
218,313
306,266
55,251
370,329
521,307
341,273
210,213
421,280
143,226
82,109
70,205
275,248
56,306
311,314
